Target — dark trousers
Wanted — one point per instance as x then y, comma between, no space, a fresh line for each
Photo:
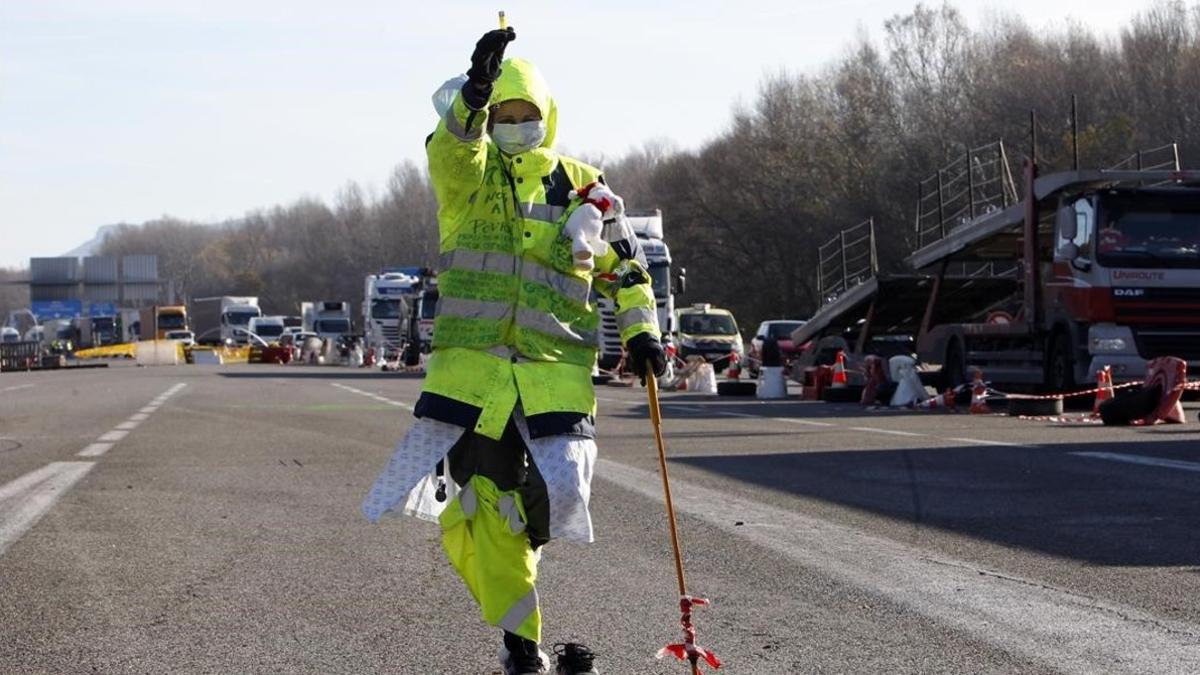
508,464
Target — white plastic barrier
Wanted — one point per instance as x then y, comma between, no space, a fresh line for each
771,383
158,353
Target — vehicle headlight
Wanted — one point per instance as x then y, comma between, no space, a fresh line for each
1101,345
689,343
1110,339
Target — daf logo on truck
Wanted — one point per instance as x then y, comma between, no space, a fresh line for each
1129,292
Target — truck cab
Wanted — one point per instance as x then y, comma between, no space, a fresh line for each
269,328
330,320
1123,284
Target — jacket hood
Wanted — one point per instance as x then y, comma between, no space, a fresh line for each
521,79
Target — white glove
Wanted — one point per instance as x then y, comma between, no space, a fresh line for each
583,228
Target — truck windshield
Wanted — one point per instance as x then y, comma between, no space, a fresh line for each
660,279
171,321
237,318
385,309
332,326
269,330
1147,235
707,324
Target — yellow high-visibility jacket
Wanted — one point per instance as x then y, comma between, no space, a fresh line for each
515,319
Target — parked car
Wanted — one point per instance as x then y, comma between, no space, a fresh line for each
779,330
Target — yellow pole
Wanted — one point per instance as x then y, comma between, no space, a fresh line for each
656,420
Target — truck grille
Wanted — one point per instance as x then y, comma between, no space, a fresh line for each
610,334
1182,344
1165,305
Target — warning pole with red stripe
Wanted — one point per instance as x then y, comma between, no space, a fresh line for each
687,650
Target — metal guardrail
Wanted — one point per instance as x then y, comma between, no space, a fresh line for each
977,183
847,260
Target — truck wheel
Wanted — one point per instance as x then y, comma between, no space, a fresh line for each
954,367
1060,367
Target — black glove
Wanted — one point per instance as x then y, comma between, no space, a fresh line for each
485,66
646,354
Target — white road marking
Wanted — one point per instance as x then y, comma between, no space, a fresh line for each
112,436
16,387
94,450
25,500
138,417
1068,632
148,409
128,425
375,396
1145,461
890,432
983,441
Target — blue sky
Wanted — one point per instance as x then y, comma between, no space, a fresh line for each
126,110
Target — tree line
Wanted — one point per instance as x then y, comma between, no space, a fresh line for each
811,154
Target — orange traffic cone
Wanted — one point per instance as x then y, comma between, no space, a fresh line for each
1104,388
979,404
943,400
839,372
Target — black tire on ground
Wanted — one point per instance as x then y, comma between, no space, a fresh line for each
1060,366
1129,406
851,394
1034,407
736,388
601,379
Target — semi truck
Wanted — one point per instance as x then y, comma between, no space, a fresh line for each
648,226
218,319
330,320
398,310
155,322
1083,269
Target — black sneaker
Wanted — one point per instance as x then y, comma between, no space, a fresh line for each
522,657
574,659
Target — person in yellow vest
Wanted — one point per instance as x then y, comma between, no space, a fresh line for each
503,449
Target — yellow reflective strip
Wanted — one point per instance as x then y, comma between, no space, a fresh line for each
550,325
521,610
465,308
479,261
571,287
546,212
636,315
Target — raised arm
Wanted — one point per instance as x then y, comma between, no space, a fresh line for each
457,150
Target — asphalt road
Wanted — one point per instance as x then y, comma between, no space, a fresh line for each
205,520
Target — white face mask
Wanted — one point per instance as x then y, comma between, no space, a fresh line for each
513,139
